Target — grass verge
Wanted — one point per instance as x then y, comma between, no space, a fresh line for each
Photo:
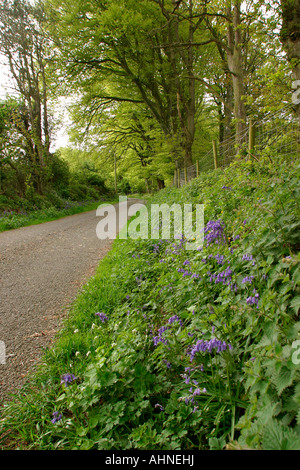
167,348
13,220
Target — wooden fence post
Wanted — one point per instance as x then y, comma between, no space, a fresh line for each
197,168
175,178
185,175
115,172
178,177
215,154
251,136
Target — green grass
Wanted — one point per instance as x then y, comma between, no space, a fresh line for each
141,379
15,220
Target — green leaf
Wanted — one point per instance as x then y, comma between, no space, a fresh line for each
283,379
295,304
279,437
216,444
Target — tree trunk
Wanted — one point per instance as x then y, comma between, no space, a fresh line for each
235,65
290,37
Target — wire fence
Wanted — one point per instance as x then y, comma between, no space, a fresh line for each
275,135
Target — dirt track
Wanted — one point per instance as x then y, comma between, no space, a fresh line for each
42,267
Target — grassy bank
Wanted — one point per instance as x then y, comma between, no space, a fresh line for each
168,348
11,220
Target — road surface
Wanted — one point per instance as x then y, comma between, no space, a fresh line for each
42,268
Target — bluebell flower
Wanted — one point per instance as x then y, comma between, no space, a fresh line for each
248,279
56,417
223,276
247,257
214,232
159,406
208,346
102,316
67,378
175,318
253,300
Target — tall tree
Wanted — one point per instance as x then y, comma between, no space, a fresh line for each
23,44
290,35
125,54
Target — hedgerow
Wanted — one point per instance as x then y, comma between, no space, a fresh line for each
168,348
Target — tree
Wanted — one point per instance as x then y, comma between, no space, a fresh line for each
24,45
125,54
290,35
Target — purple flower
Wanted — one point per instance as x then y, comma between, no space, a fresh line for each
248,279
220,259
168,364
214,232
247,257
56,417
159,406
159,339
208,346
162,329
186,262
102,316
223,276
253,300
175,318
67,378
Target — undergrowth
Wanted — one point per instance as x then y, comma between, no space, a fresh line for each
168,348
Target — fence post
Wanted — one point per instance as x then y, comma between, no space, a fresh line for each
197,168
185,175
215,154
175,179
251,136
178,177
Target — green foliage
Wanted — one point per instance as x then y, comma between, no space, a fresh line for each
140,381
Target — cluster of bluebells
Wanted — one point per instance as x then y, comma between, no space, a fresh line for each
102,316
56,417
247,279
253,300
160,338
213,344
175,318
194,389
186,272
247,257
177,247
67,378
220,258
214,232
224,277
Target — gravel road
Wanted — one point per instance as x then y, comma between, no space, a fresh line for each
42,268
